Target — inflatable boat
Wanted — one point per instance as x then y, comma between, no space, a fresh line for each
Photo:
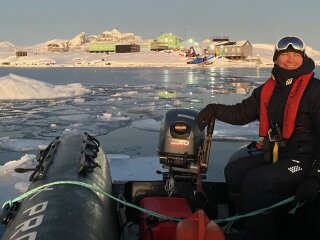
204,59
72,195
66,211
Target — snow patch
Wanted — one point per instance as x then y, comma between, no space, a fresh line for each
15,87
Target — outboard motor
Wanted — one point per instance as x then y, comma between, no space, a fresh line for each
180,141
184,150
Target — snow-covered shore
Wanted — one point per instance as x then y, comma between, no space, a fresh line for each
81,58
74,53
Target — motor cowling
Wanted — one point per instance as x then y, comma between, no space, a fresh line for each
180,140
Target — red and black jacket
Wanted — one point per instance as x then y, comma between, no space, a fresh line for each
291,106
300,145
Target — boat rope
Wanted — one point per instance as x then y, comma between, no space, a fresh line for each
98,190
253,213
94,189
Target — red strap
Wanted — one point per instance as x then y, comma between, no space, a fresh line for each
291,108
292,104
266,93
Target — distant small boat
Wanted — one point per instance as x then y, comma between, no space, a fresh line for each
211,60
201,60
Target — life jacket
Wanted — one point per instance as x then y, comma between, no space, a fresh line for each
291,108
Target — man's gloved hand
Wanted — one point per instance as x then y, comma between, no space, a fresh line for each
308,189
205,116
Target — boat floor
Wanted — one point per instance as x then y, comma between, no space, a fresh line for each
302,225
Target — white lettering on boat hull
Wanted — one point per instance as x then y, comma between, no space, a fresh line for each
30,223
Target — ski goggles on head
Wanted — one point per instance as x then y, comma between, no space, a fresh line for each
295,42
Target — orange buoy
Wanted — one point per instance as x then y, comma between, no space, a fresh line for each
198,227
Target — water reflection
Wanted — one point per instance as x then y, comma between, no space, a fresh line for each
190,77
258,72
166,76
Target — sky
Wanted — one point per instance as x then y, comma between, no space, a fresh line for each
27,22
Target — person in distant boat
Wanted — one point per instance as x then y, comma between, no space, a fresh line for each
204,58
191,52
287,106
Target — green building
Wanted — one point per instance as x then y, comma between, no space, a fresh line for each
99,47
145,46
158,46
172,40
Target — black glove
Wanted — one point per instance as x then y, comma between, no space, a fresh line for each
205,116
308,189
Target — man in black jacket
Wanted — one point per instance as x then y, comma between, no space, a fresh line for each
288,108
